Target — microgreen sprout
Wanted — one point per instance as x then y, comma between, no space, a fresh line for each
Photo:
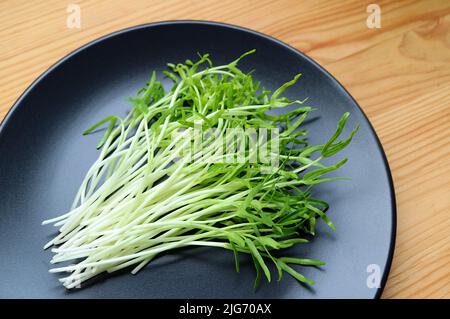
144,196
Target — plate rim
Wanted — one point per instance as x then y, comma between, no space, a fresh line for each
35,82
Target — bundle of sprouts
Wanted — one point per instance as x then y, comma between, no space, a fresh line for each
162,183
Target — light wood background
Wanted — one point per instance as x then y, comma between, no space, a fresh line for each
399,74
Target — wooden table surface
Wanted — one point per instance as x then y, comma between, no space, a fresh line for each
399,74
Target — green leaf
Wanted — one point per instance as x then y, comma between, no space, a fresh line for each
258,257
267,241
112,122
283,88
322,215
319,172
295,274
99,123
258,273
107,133
234,237
280,271
172,76
300,261
290,242
329,148
236,256
335,148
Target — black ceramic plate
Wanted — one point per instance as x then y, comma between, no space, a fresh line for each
43,158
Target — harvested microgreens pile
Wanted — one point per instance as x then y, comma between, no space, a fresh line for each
159,185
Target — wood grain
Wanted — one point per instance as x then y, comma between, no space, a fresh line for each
399,74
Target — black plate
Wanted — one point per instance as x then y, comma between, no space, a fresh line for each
43,158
